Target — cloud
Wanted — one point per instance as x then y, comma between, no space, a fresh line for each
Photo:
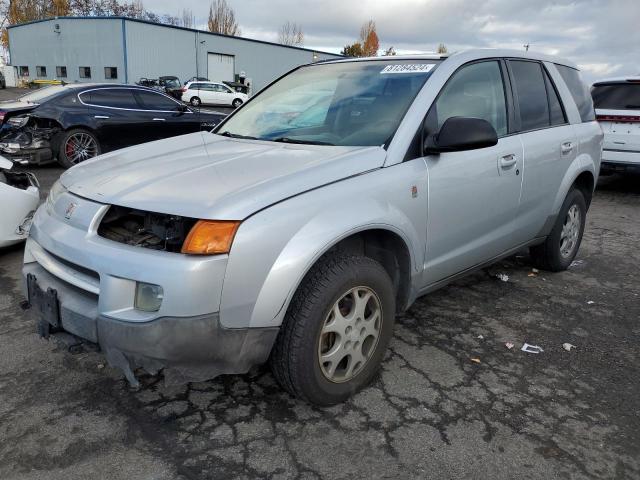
602,37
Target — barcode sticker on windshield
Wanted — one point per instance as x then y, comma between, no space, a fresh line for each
409,68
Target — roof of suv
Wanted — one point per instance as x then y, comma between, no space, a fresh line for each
628,79
478,53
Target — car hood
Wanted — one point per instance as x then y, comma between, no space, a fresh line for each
202,175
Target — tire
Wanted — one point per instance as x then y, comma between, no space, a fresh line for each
83,140
195,101
559,249
334,282
236,103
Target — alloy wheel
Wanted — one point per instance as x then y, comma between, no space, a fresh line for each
350,334
80,147
570,231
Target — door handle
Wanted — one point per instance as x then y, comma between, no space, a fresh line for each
507,161
100,116
566,148
159,120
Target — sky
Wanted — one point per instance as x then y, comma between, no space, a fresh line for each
601,36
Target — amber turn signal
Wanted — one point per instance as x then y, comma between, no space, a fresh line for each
210,237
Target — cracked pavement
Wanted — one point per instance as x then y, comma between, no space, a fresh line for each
431,413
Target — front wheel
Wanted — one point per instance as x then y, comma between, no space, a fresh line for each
76,146
336,330
236,103
562,244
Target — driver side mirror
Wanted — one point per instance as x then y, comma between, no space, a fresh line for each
458,134
182,108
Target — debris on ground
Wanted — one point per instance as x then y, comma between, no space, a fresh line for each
568,346
480,337
534,272
590,302
576,263
100,366
475,360
531,348
502,276
509,345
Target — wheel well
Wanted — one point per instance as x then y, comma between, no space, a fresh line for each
585,183
390,250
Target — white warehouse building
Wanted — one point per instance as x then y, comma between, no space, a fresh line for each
123,50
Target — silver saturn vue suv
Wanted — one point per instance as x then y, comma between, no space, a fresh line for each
296,230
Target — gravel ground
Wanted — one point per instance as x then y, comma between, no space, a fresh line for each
431,413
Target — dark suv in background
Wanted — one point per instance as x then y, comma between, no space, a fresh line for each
72,123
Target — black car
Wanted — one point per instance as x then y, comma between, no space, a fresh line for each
72,123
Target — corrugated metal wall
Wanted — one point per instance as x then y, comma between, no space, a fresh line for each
151,51
95,43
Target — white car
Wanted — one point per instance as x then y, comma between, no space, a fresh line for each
212,93
617,103
19,197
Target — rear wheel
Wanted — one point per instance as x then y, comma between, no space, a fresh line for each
236,103
76,146
562,244
195,101
336,330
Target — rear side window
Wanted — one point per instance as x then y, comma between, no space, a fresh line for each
531,94
111,97
155,101
556,112
579,92
617,96
477,91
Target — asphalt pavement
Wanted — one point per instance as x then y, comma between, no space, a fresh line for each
451,401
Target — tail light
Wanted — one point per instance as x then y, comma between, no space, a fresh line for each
618,118
183,89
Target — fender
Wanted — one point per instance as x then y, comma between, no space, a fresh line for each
274,249
582,163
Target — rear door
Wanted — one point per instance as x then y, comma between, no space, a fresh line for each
549,143
117,119
473,195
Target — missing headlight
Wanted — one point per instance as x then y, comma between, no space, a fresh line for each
151,230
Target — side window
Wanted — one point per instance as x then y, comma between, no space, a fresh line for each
111,97
579,92
155,101
477,91
556,112
531,94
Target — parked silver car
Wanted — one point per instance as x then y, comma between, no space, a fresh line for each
314,214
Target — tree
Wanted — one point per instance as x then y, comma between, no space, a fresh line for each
188,20
369,39
222,19
291,34
389,52
442,48
354,50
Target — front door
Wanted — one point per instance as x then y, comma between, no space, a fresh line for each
473,195
165,117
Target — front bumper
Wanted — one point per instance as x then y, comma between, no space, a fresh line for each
186,349
95,280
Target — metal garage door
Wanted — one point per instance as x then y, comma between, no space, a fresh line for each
220,67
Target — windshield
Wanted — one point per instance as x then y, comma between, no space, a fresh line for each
42,94
616,96
349,104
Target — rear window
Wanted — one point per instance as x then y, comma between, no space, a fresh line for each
579,92
616,96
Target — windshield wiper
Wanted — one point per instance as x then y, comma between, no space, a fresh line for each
302,142
227,133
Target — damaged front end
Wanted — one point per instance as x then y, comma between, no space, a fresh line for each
19,197
27,139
